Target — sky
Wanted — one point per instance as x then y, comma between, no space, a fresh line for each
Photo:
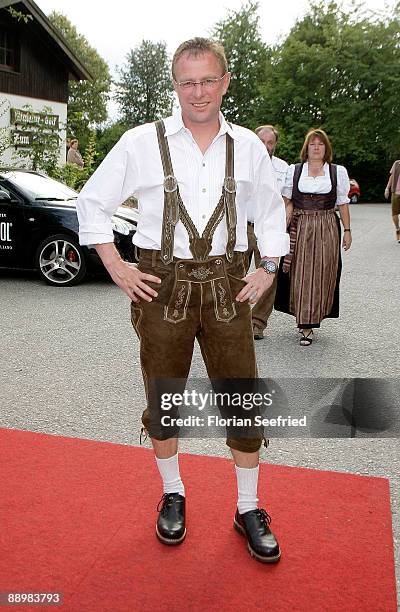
115,28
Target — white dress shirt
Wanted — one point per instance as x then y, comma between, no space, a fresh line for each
280,169
134,168
319,184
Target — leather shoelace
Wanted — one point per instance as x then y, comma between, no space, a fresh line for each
166,501
264,516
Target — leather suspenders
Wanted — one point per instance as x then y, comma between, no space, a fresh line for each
174,208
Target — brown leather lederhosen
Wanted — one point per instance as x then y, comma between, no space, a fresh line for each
196,299
313,261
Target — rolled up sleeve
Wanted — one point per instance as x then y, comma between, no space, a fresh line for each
287,189
110,185
269,212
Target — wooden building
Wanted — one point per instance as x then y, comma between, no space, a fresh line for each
36,64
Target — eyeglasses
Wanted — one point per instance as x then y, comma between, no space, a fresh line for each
206,83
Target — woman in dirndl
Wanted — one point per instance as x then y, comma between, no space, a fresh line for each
308,279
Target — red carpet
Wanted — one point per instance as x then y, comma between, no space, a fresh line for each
78,517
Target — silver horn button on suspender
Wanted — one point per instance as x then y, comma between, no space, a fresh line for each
230,184
170,184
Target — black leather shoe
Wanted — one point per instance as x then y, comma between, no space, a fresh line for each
170,527
261,542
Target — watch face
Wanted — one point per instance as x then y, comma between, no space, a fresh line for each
270,266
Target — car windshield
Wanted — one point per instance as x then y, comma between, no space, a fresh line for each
40,187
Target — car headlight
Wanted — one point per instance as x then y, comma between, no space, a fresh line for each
121,226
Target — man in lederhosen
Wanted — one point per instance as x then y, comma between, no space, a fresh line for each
268,134
195,177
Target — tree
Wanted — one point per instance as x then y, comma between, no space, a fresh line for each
247,57
19,15
107,137
87,103
144,91
339,71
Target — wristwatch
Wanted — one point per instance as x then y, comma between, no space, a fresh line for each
269,266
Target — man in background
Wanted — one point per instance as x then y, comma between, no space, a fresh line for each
269,136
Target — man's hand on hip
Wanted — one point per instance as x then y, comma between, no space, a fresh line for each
126,275
257,283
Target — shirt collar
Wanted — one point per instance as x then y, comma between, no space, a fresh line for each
174,124
225,128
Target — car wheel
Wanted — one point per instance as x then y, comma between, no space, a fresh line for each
354,199
61,261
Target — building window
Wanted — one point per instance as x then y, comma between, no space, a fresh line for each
9,51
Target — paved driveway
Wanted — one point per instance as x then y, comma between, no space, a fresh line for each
70,359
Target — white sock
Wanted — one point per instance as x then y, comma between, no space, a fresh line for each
169,472
247,481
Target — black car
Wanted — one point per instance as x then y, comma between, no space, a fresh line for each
39,229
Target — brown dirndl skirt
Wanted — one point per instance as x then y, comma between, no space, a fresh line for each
310,290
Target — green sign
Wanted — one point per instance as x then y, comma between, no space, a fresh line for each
29,118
